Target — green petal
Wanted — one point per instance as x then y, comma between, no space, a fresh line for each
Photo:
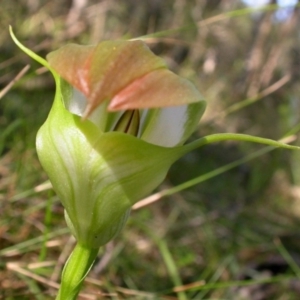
98,176
171,126
75,102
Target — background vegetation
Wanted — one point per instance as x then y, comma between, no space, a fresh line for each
235,235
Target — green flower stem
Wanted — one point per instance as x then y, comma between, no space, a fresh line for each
214,138
75,270
30,53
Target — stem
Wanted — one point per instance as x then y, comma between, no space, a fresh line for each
75,270
236,137
28,51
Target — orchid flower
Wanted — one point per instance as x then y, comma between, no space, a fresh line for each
119,120
111,132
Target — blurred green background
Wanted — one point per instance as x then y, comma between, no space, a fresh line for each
232,236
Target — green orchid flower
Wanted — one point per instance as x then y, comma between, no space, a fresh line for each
113,132
109,160
119,120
